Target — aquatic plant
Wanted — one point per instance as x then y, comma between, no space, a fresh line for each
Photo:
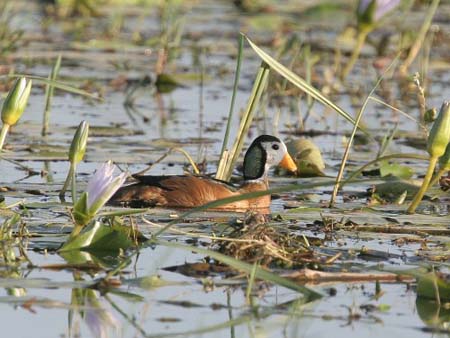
438,141
99,190
368,15
14,105
76,155
49,90
10,38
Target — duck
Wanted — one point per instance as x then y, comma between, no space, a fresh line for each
190,191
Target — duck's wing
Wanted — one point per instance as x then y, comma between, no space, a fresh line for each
183,191
155,180
167,182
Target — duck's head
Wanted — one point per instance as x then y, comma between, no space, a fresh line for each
265,152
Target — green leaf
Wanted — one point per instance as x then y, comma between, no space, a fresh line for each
394,187
59,85
101,237
395,169
298,81
433,285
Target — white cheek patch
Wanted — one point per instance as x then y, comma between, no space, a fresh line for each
274,156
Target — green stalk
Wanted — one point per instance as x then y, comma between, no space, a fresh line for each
76,230
74,184
340,174
233,96
49,90
258,88
361,39
66,182
3,133
426,182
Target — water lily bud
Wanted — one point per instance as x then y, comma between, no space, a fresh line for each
369,12
444,160
440,132
78,145
16,101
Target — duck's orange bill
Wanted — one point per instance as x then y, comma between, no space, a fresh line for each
288,163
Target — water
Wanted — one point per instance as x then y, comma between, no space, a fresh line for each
43,294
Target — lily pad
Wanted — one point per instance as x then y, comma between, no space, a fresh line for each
395,169
433,285
393,188
307,156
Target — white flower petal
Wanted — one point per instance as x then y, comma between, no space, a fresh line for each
102,186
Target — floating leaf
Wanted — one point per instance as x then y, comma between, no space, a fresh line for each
166,83
395,169
307,156
432,285
395,187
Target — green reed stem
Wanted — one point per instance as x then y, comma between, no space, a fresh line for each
3,133
67,182
233,96
423,189
352,136
74,184
258,88
361,39
49,90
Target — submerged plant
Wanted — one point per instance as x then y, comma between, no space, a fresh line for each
101,187
14,105
438,141
368,15
76,155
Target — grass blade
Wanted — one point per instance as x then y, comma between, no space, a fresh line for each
59,85
298,81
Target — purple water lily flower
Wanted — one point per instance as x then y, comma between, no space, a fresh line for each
102,186
381,7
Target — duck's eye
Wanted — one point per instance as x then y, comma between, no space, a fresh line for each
275,146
